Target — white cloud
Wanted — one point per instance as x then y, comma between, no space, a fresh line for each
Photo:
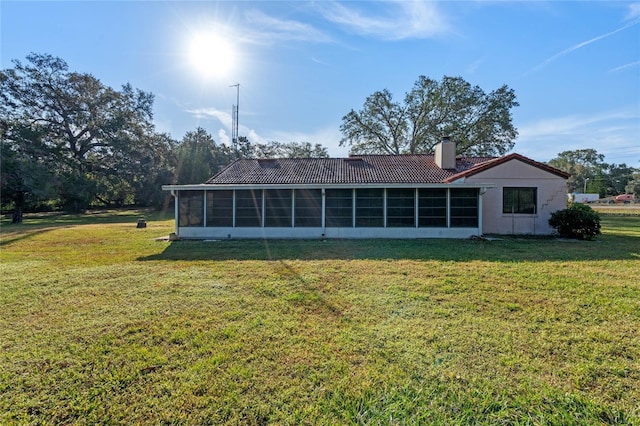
473,67
212,113
612,133
625,66
572,123
267,30
633,11
223,137
580,45
403,20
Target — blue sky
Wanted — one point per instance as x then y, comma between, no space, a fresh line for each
575,66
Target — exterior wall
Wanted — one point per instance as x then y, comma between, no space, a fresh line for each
551,196
313,233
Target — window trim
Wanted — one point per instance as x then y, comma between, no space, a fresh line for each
518,210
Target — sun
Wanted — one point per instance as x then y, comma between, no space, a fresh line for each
211,55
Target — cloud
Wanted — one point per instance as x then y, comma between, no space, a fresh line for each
623,67
580,45
267,30
212,113
612,133
633,11
402,20
573,123
223,137
473,67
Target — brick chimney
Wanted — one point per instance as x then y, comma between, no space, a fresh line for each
445,156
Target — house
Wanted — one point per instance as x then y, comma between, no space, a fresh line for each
372,196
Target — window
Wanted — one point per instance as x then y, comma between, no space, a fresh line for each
339,208
248,207
369,207
519,200
308,210
191,209
432,207
464,208
401,207
277,207
220,208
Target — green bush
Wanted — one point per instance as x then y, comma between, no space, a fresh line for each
579,221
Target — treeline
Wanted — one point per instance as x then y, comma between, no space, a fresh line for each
591,174
70,142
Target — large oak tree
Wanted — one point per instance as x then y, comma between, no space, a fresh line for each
90,132
480,123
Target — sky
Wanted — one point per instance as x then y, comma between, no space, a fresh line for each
301,66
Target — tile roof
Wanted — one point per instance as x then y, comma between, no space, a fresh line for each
482,166
418,168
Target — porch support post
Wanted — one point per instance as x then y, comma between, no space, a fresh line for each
480,193
176,202
204,209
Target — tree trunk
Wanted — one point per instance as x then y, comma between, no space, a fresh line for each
16,217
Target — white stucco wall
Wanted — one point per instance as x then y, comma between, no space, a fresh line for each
552,196
312,233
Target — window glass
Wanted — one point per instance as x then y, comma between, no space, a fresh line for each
464,208
338,208
432,207
308,207
401,207
248,207
519,200
220,208
191,208
370,207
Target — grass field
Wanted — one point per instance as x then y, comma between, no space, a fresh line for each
102,324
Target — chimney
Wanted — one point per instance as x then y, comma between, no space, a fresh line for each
445,156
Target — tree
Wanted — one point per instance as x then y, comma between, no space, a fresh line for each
583,165
136,175
289,150
199,158
84,126
590,173
633,187
620,179
480,123
25,178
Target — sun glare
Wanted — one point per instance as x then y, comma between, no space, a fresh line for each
211,55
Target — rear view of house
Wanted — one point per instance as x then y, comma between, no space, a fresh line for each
372,196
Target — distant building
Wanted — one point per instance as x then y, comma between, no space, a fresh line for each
578,197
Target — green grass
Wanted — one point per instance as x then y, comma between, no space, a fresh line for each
102,324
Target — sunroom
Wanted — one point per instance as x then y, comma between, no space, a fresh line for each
328,211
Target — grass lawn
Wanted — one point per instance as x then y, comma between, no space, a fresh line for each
100,323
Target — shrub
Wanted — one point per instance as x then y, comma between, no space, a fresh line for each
578,221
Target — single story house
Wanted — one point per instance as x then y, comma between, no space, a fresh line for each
372,196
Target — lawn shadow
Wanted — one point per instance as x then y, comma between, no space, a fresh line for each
25,234
508,249
39,223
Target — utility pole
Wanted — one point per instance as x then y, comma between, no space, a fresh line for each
235,117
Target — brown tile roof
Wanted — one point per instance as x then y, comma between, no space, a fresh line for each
419,168
480,167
